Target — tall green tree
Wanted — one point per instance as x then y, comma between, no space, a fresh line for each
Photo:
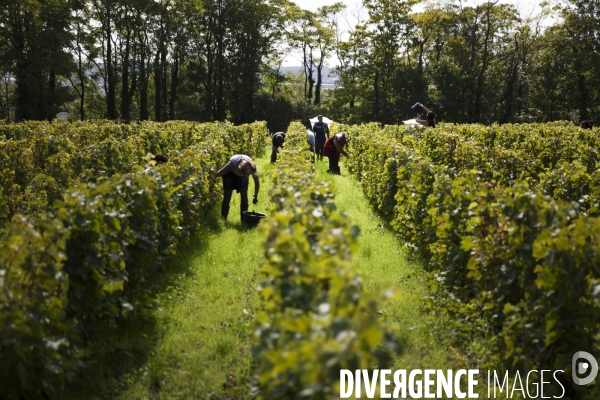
565,78
34,36
105,11
84,53
467,60
327,24
254,25
305,36
582,27
386,69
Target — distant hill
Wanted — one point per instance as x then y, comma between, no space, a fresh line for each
328,77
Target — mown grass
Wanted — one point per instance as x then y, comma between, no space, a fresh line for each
205,351
385,263
194,339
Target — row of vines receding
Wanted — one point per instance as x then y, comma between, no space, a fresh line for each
507,217
106,219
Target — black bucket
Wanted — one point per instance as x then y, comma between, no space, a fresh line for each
417,108
251,218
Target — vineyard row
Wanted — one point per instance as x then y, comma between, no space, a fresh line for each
507,254
84,261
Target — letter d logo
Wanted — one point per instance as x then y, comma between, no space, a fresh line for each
581,367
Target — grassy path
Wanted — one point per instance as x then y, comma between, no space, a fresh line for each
195,342
385,264
206,350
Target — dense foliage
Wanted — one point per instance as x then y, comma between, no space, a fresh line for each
215,60
41,160
83,260
315,318
507,218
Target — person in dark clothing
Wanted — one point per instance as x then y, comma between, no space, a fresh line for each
278,139
586,124
321,131
310,138
160,158
235,177
334,146
430,119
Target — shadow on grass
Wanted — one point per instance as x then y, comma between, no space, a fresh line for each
119,355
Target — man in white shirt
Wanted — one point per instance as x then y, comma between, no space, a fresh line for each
235,177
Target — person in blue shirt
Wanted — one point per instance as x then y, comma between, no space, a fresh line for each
321,131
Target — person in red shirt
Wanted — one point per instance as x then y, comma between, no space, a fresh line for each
334,146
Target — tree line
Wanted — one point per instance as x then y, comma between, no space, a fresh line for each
208,60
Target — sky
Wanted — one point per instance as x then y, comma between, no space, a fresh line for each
522,5
354,11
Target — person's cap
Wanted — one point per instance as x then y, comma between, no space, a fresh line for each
319,116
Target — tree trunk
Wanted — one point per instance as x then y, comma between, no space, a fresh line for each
582,98
220,111
509,93
174,83
157,88
125,99
305,66
111,102
132,89
164,80
81,76
28,80
144,113
311,80
471,71
49,107
319,82
208,98
479,94
376,100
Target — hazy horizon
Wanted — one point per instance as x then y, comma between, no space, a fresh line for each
355,11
